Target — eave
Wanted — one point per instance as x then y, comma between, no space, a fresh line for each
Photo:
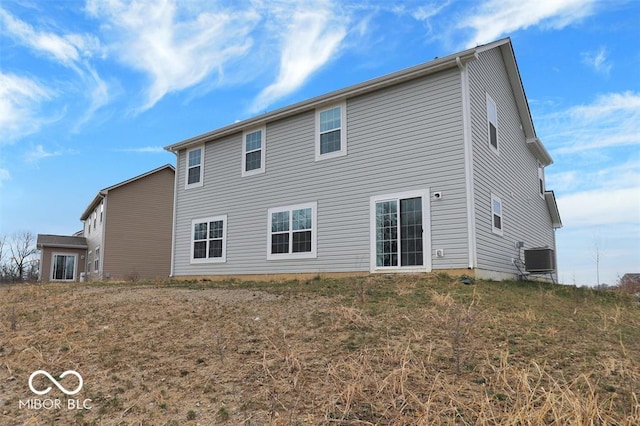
103,192
550,199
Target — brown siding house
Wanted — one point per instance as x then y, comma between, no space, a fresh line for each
62,258
126,233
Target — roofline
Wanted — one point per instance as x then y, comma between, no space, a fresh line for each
440,64
431,67
550,198
533,142
103,192
39,246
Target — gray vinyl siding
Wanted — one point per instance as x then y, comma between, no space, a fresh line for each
512,175
403,138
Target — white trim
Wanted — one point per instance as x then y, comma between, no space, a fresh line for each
494,229
174,223
207,259
75,265
426,231
187,185
343,132
263,146
314,232
496,148
468,167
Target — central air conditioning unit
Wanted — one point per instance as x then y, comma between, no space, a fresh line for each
539,260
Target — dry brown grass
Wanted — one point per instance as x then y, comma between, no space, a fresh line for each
369,350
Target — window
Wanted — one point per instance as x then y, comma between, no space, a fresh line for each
89,261
95,216
292,232
496,215
399,235
253,152
194,167
541,179
101,211
96,261
331,138
492,119
209,240
64,267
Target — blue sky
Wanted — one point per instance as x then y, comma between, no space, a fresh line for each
90,92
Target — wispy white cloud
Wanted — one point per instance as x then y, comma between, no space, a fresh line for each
144,150
612,120
71,51
428,11
4,175
38,153
312,36
176,47
598,207
598,60
20,100
494,19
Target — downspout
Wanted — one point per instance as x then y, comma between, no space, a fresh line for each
173,227
103,237
468,162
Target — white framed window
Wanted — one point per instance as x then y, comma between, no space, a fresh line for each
541,180
400,232
63,267
292,232
96,261
101,211
194,167
89,261
331,132
492,124
497,221
253,151
209,239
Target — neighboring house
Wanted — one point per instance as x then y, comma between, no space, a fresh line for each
62,258
436,167
126,233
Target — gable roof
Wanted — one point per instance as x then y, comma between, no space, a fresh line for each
61,241
431,67
103,192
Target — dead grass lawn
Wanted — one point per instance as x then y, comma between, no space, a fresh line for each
377,350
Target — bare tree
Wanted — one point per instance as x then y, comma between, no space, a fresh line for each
22,247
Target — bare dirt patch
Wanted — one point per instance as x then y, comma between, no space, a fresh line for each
408,350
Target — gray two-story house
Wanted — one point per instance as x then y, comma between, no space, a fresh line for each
435,167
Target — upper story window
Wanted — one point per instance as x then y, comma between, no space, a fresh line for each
96,261
292,232
541,179
331,132
496,215
209,240
194,167
492,119
253,152
101,211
